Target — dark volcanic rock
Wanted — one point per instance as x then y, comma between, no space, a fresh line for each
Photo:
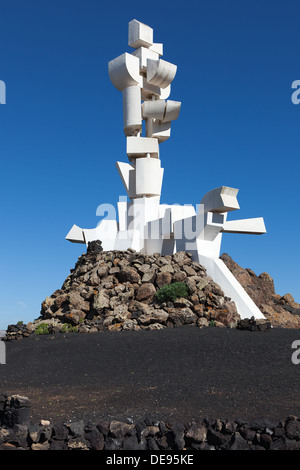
281,311
144,435
117,290
94,247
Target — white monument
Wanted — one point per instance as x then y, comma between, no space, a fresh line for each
144,224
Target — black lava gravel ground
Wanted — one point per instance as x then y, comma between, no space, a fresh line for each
174,375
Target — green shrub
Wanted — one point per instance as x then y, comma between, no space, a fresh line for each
67,328
42,329
172,292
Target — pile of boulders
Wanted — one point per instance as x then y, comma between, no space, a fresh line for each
281,310
16,432
252,324
116,290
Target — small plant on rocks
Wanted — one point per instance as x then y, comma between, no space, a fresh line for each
172,292
42,329
66,328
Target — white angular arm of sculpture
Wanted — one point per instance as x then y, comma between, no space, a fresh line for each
127,174
161,113
161,130
124,71
76,235
172,110
221,199
255,226
154,109
149,90
160,72
162,110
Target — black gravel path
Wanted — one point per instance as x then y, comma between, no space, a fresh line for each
172,374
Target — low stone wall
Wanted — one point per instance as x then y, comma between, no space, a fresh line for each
16,432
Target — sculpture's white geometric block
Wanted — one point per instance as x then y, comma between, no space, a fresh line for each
200,233
161,130
213,225
122,215
149,176
255,226
162,112
129,239
160,73
165,246
176,211
204,226
153,245
75,235
157,47
154,109
172,110
208,247
106,231
149,90
133,215
159,233
139,34
165,92
140,211
143,55
197,245
160,109
156,231
132,114
127,174
124,71
173,214
140,146
221,199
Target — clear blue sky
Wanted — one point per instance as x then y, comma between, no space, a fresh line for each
61,129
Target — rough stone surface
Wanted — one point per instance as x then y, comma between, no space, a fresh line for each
117,291
219,434
281,311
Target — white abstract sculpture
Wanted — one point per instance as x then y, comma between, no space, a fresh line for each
143,223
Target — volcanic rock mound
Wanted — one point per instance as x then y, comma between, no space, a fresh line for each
119,290
116,290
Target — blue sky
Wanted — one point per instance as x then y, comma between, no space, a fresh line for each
61,129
